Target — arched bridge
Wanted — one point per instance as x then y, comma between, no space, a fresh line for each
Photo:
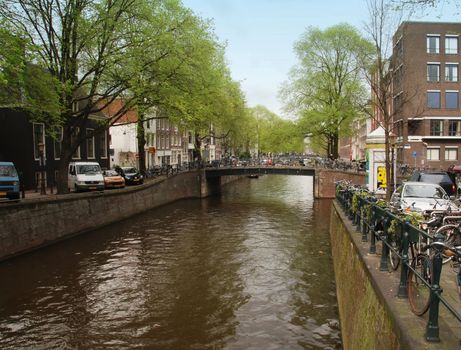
248,171
324,179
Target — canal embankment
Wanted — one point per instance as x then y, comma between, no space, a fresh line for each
31,224
372,316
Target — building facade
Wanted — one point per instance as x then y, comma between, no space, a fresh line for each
427,115
22,140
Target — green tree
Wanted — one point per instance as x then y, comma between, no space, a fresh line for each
275,134
24,85
326,89
152,54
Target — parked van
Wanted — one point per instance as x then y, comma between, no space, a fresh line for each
85,176
9,181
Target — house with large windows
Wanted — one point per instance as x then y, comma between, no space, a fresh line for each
24,141
426,89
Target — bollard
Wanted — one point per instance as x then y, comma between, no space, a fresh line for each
403,292
432,328
373,239
383,266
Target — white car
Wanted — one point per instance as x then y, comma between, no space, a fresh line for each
85,176
419,197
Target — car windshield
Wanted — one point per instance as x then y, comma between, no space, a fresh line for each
423,191
88,169
111,173
8,170
129,170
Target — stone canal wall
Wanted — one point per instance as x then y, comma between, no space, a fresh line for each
364,317
31,224
372,316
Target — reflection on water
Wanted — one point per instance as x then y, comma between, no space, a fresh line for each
250,269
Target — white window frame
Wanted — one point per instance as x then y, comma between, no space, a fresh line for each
437,46
433,64
77,151
103,140
449,150
429,154
88,140
455,76
447,39
36,151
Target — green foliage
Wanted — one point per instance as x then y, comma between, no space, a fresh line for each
355,200
326,89
413,218
25,85
275,134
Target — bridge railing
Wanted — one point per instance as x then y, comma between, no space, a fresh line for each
376,222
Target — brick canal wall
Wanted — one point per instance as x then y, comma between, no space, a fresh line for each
325,179
371,314
365,320
31,224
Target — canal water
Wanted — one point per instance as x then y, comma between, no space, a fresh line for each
250,269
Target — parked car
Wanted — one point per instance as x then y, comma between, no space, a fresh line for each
441,178
112,179
131,175
85,176
418,196
9,181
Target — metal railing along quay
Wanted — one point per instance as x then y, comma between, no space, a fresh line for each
374,221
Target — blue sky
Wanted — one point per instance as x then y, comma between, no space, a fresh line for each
260,35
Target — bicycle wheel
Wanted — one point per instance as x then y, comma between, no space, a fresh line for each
419,293
394,252
450,232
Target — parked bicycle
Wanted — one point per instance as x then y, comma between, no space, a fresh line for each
421,274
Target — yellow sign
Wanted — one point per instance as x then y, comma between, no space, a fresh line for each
381,177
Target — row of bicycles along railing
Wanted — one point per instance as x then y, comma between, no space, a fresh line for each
420,244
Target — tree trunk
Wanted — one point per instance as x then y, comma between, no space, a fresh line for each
141,136
65,158
197,149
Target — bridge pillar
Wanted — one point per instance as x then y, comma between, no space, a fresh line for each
325,179
209,186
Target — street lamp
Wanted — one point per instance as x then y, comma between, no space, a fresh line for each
41,148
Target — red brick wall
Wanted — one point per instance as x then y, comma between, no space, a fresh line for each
325,181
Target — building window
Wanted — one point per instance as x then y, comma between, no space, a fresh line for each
451,153
436,127
451,99
103,145
451,72
451,44
433,43
433,154
433,72
57,145
39,137
433,99
90,143
454,128
73,139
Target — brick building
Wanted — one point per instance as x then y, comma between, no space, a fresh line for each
427,115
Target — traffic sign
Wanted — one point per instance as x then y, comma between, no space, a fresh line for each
414,154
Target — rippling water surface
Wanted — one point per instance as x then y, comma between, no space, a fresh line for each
250,269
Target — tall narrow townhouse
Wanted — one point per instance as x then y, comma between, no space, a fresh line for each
427,115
